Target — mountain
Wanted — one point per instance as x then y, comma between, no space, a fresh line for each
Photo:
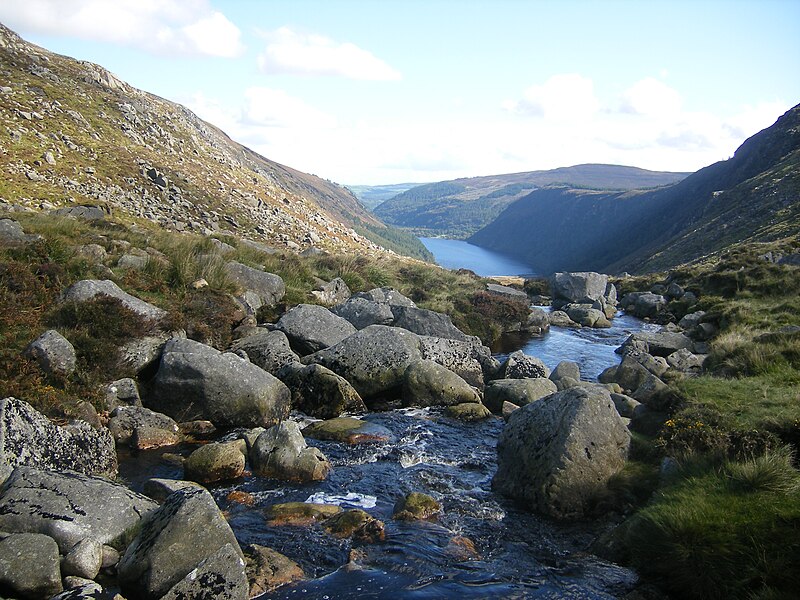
753,196
77,134
373,195
461,207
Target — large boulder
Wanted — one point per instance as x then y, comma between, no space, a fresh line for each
516,391
427,383
362,312
658,343
87,289
70,507
221,576
269,287
557,454
374,360
54,353
28,438
519,365
467,359
332,292
583,287
195,381
215,462
426,322
587,316
125,419
643,304
29,566
281,452
319,392
174,540
270,350
310,328
386,295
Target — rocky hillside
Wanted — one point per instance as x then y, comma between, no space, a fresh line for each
753,196
460,207
75,134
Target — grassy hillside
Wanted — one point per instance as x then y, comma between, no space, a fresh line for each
373,195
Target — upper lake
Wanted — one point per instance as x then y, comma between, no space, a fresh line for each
458,254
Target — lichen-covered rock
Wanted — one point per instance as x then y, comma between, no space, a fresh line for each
174,540
145,437
556,454
125,419
54,353
310,328
516,391
519,365
362,312
281,452
29,566
427,383
122,392
221,576
386,295
416,506
87,289
319,392
69,507
270,350
333,292
684,361
28,438
215,462
269,287
268,569
195,381
12,234
469,360
348,430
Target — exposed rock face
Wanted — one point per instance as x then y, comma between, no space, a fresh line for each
362,312
269,287
578,287
195,381
310,328
270,350
319,392
519,365
373,360
516,391
65,506
282,453
29,565
28,438
174,540
221,576
427,383
125,419
85,290
426,322
54,354
555,454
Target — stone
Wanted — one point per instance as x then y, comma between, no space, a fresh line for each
517,391
661,343
356,524
54,354
195,381
373,360
145,437
319,392
132,261
519,365
684,361
427,383
140,354
215,462
269,350
84,559
644,304
566,368
125,419
558,318
578,287
467,359
311,328
586,316
92,252
348,430
557,454
78,588
87,289
362,312
416,506
221,576
12,234
29,566
333,292
160,489
507,409
122,392
65,506
625,405
86,412
270,288
426,322
268,569
505,291
386,295
300,513
281,453
652,392
469,411
629,374
538,321
86,213
28,438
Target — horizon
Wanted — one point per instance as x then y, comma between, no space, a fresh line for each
331,89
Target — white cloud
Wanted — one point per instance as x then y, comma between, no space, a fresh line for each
288,51
651,97
266,107
562,97
188,27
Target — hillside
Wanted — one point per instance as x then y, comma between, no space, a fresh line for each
461,207
753,196
76,134
373,195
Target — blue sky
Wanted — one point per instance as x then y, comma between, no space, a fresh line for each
414,91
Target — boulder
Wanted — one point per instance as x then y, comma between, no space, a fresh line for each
416,506
310,328
374,360
28,438
426,322
195,381
644,304
70,507
78,588
125,419
468,411
269,287
54,354
281,453
566,368
333,292
467,359
348,430
625,405
558,318
84,559
300,513
692,319
587,316
684,361
362,312
86,213
319,392
538,322
139,354
629,374
85,290
505,291
122,392
661,343
427,383
221,576
173,541
215,462
557,454
267,569
29,566
519,365
12,234
160,489
145,437
578,287
516,391
386,295
270,350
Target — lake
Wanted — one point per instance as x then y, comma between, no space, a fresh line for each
458,254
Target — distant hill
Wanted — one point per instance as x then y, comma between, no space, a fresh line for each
373,195
753,196
461,207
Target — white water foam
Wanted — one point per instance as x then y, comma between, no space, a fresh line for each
351,499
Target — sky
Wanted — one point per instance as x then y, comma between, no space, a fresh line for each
393,91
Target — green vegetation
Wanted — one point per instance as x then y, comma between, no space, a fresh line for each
394,239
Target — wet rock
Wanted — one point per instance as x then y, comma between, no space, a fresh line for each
427,383
519,365
587,316
578,287
65,506
197,429
281,453
84,559
310,328
145,437
517,391
558,318
122,392
268,286
28,438
174,540
416,506
566,368
462,548
269,350
348,430
470,411
356,524
467,359
556,454
426,322
362,312
195,381
333,292
221,576
125,419
300,513
54,354
215,462
267,569
319,392
29,566
87,289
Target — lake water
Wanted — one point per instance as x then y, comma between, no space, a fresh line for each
458,254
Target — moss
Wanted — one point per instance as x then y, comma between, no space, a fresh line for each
415,506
